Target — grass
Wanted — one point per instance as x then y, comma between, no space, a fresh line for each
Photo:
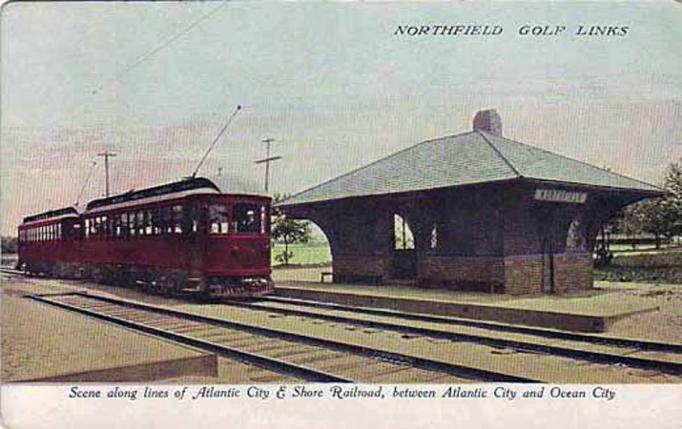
308,255
642,248
667,259
671,275
663,267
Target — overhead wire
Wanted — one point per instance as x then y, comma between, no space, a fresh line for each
80,194
142,58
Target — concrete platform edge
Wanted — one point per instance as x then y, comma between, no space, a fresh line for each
538,318
205,365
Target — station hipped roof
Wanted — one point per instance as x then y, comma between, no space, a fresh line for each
475,157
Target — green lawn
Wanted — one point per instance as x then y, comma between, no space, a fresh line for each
640,248
305,254
664,266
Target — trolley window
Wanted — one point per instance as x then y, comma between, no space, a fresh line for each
264,217
218,219
131,224
139,222
177,219
249,218
116,225
165,220
148,223
98,227
123,222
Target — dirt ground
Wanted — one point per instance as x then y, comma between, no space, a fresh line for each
41,341
665,324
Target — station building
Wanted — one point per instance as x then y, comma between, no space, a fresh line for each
473,211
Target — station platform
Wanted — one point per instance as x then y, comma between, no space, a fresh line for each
45,344
590,311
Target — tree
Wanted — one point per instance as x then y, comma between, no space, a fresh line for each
9,245
626,222
652,216
661,217
673,184
287,231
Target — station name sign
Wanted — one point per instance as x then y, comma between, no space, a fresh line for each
560,196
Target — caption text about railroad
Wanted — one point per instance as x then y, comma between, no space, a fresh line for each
342,392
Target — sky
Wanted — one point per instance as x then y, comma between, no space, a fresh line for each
155,82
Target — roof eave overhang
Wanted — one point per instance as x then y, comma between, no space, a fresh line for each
646,193
643,193
413,193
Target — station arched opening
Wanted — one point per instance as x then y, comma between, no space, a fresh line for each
304,260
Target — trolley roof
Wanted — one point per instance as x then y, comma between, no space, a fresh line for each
52,214
179,189
193,184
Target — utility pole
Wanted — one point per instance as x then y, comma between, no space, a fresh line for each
267,160
106,154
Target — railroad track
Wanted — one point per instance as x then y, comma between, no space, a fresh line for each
450,321
663,357
301,356
647,355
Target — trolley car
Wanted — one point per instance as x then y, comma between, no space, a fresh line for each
184,236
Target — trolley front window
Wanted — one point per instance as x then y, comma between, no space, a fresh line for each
249,218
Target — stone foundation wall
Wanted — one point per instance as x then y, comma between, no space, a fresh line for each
524,274
520,274
351,268
462,270
531,273
573,272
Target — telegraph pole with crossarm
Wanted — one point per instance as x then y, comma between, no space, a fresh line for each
267,160
106,154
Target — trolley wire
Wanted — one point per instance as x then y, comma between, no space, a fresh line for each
151,52
80,194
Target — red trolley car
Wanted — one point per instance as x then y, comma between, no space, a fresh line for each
183,236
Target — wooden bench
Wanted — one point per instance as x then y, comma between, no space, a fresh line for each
325,274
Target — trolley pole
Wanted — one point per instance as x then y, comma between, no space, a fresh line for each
267,160
106,154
